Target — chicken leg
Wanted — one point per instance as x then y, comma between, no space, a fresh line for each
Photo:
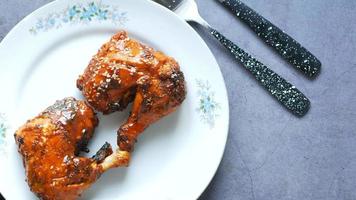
125,70
50,144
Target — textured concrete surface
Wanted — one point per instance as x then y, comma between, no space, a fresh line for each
271,154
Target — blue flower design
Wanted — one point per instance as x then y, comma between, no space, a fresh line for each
207,104
2,134
50,22
3,129
208,107
93,8
102,14
78,13
86,15
72,12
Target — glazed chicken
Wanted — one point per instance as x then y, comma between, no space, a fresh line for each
125,70
50,144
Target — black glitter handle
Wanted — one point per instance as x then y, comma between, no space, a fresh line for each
285,92
285,45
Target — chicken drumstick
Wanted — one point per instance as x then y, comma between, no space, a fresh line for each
50,144
125,70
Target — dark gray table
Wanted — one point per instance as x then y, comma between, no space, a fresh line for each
271,154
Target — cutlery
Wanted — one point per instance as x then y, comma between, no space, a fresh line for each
287,94
285,45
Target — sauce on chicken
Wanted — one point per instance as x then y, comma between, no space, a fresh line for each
50,144
125,70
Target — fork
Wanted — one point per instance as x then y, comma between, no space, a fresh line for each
286,93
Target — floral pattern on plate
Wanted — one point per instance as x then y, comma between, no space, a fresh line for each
208,108
3,128
80,14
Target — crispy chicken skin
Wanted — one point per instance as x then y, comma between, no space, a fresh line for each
125,70
50,144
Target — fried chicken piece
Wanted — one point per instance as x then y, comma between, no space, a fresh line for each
125,70
50,144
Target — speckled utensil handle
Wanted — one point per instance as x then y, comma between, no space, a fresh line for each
285,45
285,92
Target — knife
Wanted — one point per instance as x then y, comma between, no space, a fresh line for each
285,45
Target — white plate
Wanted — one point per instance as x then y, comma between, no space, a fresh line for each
43,55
